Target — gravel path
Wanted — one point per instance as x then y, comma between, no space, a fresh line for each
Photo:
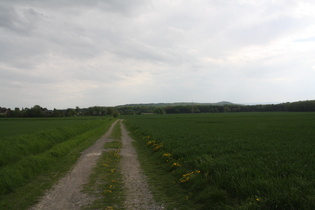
138,195
66,194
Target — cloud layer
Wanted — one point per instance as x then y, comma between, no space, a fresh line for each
61,54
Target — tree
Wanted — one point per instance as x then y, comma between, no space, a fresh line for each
17,112
36,111
70,112
77,110
56,113
159,111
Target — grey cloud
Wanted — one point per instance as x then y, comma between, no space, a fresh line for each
13,77
22,22
115,6
309,39
266,31
22,56
7,16
150,50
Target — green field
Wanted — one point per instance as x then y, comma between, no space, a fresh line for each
235,160
22,126
36,152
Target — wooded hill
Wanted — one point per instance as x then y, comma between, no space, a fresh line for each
174,108
221,103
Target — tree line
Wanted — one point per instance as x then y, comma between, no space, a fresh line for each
300,106
38,111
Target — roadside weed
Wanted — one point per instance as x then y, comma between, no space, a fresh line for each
106,183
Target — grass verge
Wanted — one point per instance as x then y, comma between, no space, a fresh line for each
106,183
36,173
163,185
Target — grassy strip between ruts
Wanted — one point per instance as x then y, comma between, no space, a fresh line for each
162,184
50,166
106,180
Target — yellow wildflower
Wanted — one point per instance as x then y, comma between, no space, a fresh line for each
176,164
157,147
186,177
166,155
151,142
117,155
188,174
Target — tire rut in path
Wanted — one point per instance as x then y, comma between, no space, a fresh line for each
66,194
138,195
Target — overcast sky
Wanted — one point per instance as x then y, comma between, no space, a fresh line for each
61,54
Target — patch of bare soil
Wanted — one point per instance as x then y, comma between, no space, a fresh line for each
66,194
138,195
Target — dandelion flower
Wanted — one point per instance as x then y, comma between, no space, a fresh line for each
176,164
166,155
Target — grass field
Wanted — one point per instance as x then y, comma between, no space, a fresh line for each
36,152
235,160
21,126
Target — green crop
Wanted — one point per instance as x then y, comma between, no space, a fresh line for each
22,126
236,160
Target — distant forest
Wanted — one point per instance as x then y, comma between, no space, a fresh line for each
38,111
161,108
177,108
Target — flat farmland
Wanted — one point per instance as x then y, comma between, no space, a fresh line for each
22,126
36,152
235,160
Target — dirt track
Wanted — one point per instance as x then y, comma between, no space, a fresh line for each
138,195
67,195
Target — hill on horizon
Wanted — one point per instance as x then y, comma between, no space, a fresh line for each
221,103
